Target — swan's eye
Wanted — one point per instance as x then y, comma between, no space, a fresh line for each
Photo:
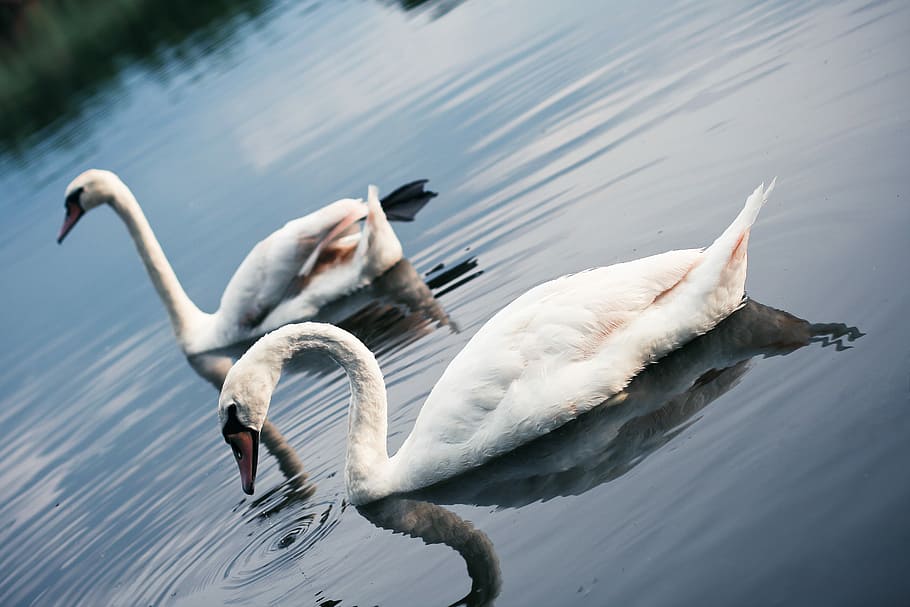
74,198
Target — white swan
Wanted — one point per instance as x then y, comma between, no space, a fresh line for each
552,354
287,277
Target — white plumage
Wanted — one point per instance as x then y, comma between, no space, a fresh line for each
287,277
549,356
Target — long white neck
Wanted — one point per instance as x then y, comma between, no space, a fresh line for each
367,459
182,311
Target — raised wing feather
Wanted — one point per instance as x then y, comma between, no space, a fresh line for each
535,364
262,279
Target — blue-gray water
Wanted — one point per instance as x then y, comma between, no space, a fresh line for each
559,136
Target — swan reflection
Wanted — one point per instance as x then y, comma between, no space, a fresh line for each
435,525
605,443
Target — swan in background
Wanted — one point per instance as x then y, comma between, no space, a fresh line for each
549,356
396,309
287,277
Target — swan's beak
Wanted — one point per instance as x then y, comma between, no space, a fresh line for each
245,445
74,213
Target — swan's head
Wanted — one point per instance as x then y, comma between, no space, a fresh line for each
87,191
242,409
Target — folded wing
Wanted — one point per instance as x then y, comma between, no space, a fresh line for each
542,360
267,274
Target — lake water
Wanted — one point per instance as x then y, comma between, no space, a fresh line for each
766,463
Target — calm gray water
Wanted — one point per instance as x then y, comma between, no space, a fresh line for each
765,464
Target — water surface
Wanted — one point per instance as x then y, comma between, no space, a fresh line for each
559,138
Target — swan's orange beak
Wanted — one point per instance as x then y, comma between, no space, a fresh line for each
245,445
74,213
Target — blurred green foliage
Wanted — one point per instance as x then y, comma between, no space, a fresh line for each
55,54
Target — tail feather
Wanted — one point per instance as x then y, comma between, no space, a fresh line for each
725,259
405,202
747,216
373,195
715,285
750,211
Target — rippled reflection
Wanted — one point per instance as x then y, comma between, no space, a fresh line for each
435,525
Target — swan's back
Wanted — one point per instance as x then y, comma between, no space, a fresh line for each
555,352
566,346
265,276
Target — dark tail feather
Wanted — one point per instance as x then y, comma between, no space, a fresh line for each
404,203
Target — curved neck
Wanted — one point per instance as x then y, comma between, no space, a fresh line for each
367,457
180,308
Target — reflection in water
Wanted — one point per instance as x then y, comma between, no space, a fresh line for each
394,310
399,308
274,543
605,443
439,7
435,525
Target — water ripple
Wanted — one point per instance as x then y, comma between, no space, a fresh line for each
275,542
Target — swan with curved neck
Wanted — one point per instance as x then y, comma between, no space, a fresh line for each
287,277
552,354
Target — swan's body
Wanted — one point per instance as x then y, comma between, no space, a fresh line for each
287,277
549,356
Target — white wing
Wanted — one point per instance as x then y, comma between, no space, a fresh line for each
267,273
538,363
